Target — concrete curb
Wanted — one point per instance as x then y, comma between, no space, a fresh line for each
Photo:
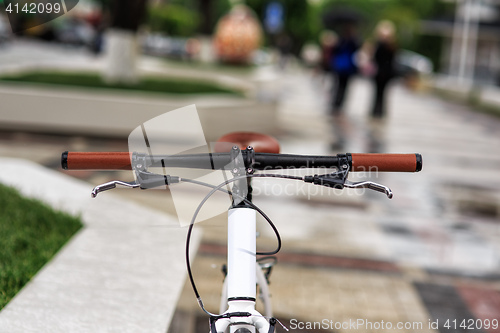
59,110
123,272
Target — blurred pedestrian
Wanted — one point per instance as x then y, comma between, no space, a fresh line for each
343,66
328,39
383,60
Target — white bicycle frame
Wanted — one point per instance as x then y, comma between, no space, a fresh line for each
243,274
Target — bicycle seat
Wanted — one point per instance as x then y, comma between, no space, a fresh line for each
261,143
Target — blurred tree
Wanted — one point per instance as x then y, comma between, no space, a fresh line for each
423,8
206,7
127,14
210,13
173,19
121,44
296,26
186,17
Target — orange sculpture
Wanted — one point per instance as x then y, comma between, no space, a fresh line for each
237,36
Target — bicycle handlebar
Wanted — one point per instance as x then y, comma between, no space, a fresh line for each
386,162
96,161
357,162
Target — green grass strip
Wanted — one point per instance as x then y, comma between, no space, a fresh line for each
30,234
149,84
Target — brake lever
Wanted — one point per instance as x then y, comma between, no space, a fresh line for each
370,185
145,180
111,185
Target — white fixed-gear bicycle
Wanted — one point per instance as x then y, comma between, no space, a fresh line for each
240,157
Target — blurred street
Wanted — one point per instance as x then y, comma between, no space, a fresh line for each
430,253
22,54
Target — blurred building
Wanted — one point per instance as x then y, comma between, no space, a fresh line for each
471,40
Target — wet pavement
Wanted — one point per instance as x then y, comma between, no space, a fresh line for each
429,256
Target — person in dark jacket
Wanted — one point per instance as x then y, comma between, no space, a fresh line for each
383,59
343,66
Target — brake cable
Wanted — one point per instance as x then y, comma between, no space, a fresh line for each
251,204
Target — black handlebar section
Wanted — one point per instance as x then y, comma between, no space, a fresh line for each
283,161
261,161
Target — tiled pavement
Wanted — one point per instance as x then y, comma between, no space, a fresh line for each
432,253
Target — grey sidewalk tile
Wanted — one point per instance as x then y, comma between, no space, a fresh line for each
445,305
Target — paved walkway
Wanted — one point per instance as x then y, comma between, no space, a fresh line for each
432,253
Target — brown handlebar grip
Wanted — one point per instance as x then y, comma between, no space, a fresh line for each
386,162
96,161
